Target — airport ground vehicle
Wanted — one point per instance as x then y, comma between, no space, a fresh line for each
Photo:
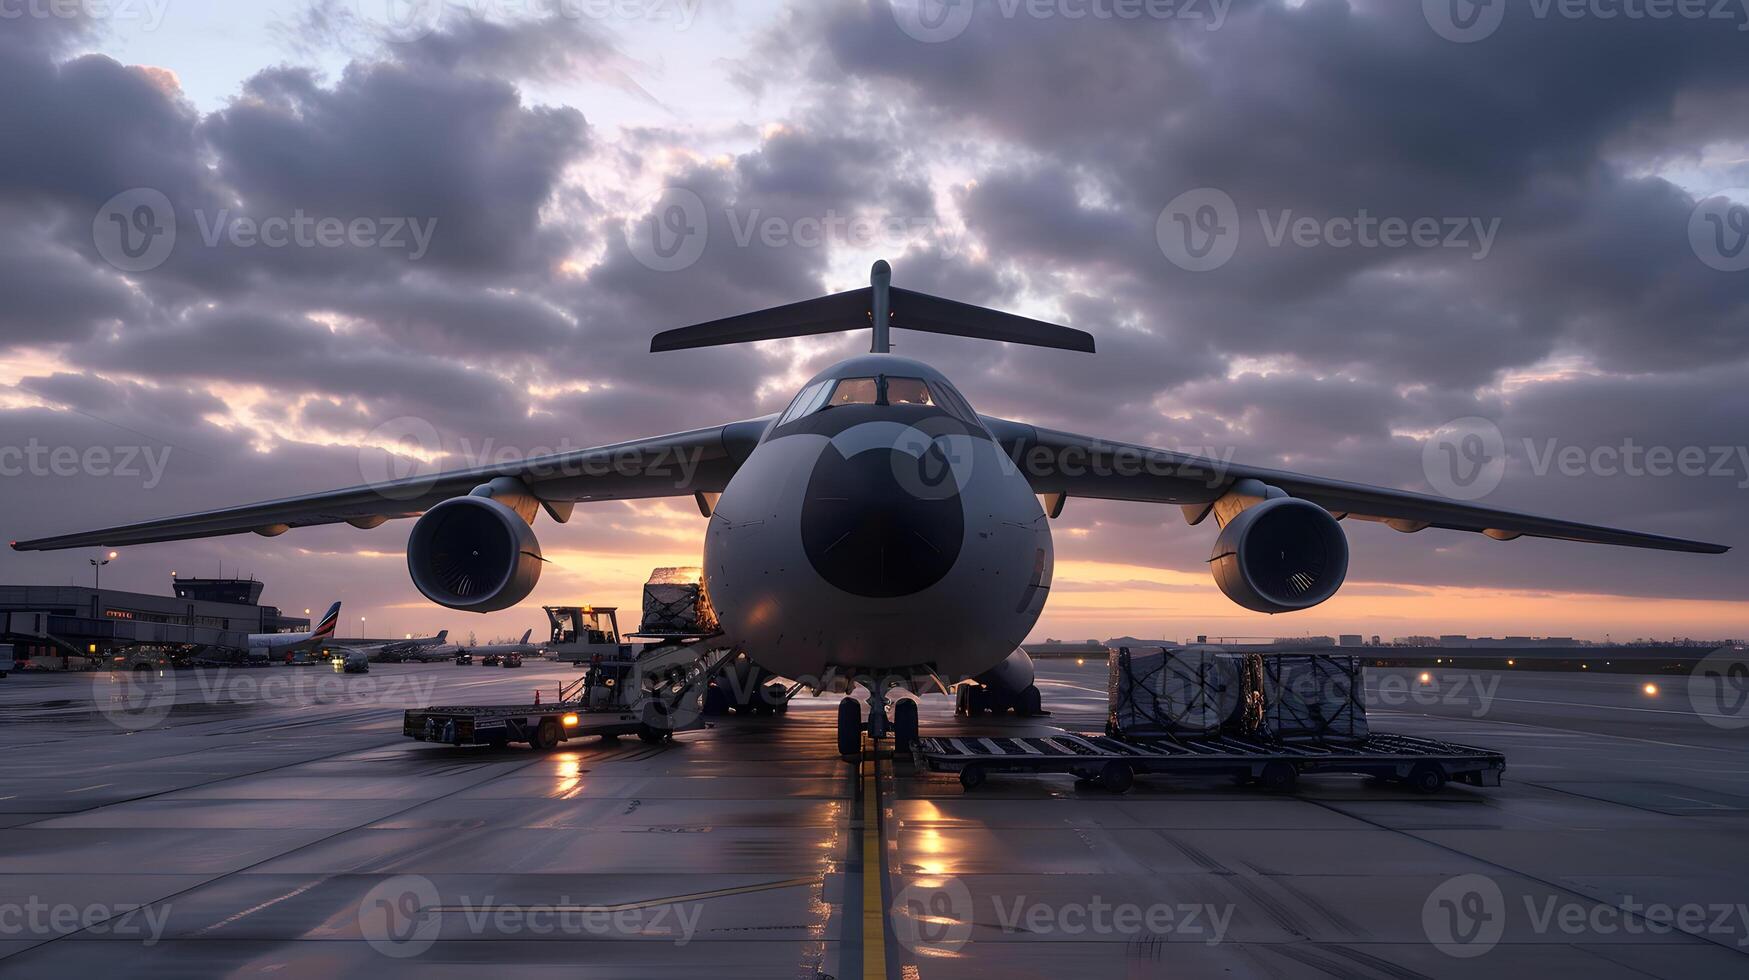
652,693
7,665
581,634
463,659
511,660
491,660
1113,761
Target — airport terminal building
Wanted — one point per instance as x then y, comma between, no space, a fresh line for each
62,626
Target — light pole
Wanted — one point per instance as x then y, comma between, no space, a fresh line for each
97,569
361,627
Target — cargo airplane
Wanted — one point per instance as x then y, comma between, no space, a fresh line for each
878,527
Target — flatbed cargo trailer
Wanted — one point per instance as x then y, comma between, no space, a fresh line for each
1114,761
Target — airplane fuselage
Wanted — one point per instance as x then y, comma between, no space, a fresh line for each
877,533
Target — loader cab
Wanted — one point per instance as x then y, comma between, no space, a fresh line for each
580,633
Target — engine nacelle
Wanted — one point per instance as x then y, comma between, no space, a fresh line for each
1280,555
475,554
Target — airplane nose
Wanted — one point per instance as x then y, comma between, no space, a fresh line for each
882,523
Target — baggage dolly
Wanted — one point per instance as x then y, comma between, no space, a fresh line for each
1113,761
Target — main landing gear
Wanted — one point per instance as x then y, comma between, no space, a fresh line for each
902,727
971,700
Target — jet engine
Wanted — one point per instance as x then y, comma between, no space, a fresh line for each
474,553
1279,555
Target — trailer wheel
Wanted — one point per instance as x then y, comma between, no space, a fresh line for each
652,735
905,726
1279,775
1032,703
1117,777
972,776
1427,778
849,727
546,736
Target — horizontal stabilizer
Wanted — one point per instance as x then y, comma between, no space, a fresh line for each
856,309
828,314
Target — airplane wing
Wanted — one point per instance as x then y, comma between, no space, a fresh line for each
1081,466
682,464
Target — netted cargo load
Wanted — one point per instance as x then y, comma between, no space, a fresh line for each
676,603
1314,697
1171,691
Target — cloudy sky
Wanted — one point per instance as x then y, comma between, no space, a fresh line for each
1312,235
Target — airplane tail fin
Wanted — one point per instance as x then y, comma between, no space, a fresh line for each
526,635
881,306
325,627
442,635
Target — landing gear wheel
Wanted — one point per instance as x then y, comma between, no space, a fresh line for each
652,735
972,776
1032,703
1427,778
1117,777
849,727
1279,776
904,725
546,736
775,698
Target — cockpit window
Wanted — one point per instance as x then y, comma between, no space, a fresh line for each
856,391
879,390
807,400
908,391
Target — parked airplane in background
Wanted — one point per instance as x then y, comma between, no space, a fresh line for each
416,648
878,527
520,647
275,646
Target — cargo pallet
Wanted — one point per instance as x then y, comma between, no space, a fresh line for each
1114,761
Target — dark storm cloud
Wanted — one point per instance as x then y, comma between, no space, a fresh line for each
392,140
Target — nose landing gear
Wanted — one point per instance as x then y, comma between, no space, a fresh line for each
903,726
